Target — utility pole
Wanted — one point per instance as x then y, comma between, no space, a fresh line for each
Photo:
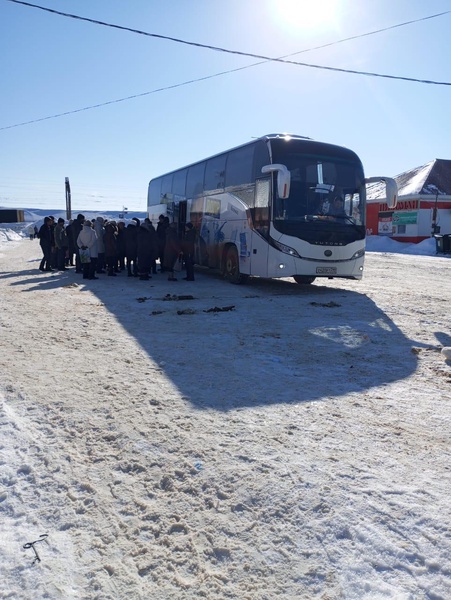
68,202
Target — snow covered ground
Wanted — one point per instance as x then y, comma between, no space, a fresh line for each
295,447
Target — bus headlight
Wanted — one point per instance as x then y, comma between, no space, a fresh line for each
286,249
359,253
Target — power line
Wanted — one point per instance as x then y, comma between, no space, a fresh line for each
191,81
249,54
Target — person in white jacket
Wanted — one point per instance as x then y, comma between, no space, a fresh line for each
87,239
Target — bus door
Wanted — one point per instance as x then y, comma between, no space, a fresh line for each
260,218
180,211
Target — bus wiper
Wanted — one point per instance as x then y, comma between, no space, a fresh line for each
349,220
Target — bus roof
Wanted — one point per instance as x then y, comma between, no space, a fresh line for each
265,138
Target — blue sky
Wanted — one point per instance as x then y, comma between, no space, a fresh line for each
52,64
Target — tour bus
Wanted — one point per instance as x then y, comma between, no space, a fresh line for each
278,206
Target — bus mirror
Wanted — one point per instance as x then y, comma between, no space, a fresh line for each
391,189
283,179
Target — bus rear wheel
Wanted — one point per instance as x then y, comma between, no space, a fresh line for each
232,267
303,279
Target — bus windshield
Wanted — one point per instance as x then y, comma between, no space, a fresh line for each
323,188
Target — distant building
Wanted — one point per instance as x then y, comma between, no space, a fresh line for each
11,215
424,204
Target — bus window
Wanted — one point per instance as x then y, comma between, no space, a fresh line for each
179,183
155,191
239,166
260,214
166,187
195,180
215,173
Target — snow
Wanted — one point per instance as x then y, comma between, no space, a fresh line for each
295,446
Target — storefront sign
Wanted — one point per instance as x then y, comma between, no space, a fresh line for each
405,218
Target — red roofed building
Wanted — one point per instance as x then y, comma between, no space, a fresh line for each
424,204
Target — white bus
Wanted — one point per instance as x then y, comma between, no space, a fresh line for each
278,206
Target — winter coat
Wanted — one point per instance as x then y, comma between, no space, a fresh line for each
61,240
76,227
131,241
100,230
45,236
161,234
172,248
110,240
88,239
70,238
120,240
188,241
147,244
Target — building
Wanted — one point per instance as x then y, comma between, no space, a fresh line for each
11,215
424,204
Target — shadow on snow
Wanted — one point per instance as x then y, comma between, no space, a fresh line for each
281,343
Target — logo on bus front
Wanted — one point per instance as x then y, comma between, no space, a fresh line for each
328,243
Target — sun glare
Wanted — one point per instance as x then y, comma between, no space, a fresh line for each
304,15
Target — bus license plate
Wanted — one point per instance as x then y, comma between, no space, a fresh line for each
326,270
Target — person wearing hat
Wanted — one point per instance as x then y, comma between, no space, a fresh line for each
61,244
188,250
45,241
87,239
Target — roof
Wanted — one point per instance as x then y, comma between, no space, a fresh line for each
432,178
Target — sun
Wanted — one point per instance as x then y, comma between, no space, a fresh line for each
313,15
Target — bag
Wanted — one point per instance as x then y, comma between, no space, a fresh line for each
85,256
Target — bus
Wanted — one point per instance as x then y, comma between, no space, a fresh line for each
278,206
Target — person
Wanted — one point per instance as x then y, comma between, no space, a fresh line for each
131,248
171,251
100,231
110,240
71,248
121,245
188,250
31,232
147,247
87,239
61,244
338,207
163,224
77,226
45,241
36,231
54,248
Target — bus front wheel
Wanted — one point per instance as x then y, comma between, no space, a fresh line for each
303,279
232,267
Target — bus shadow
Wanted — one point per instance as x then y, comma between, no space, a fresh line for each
266,342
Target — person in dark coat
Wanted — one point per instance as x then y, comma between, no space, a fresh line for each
61,244
131,248
45,241
121,245
172,250
188,250
71,250
147,243
110,241
163,224
77,226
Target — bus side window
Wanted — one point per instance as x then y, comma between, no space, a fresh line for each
261,205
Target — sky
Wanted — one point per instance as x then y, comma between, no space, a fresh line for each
53,64
295,446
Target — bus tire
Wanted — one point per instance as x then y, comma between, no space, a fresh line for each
304,279
232,267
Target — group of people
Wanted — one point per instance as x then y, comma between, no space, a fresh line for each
102,246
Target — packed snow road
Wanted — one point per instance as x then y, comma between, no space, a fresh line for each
251,442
